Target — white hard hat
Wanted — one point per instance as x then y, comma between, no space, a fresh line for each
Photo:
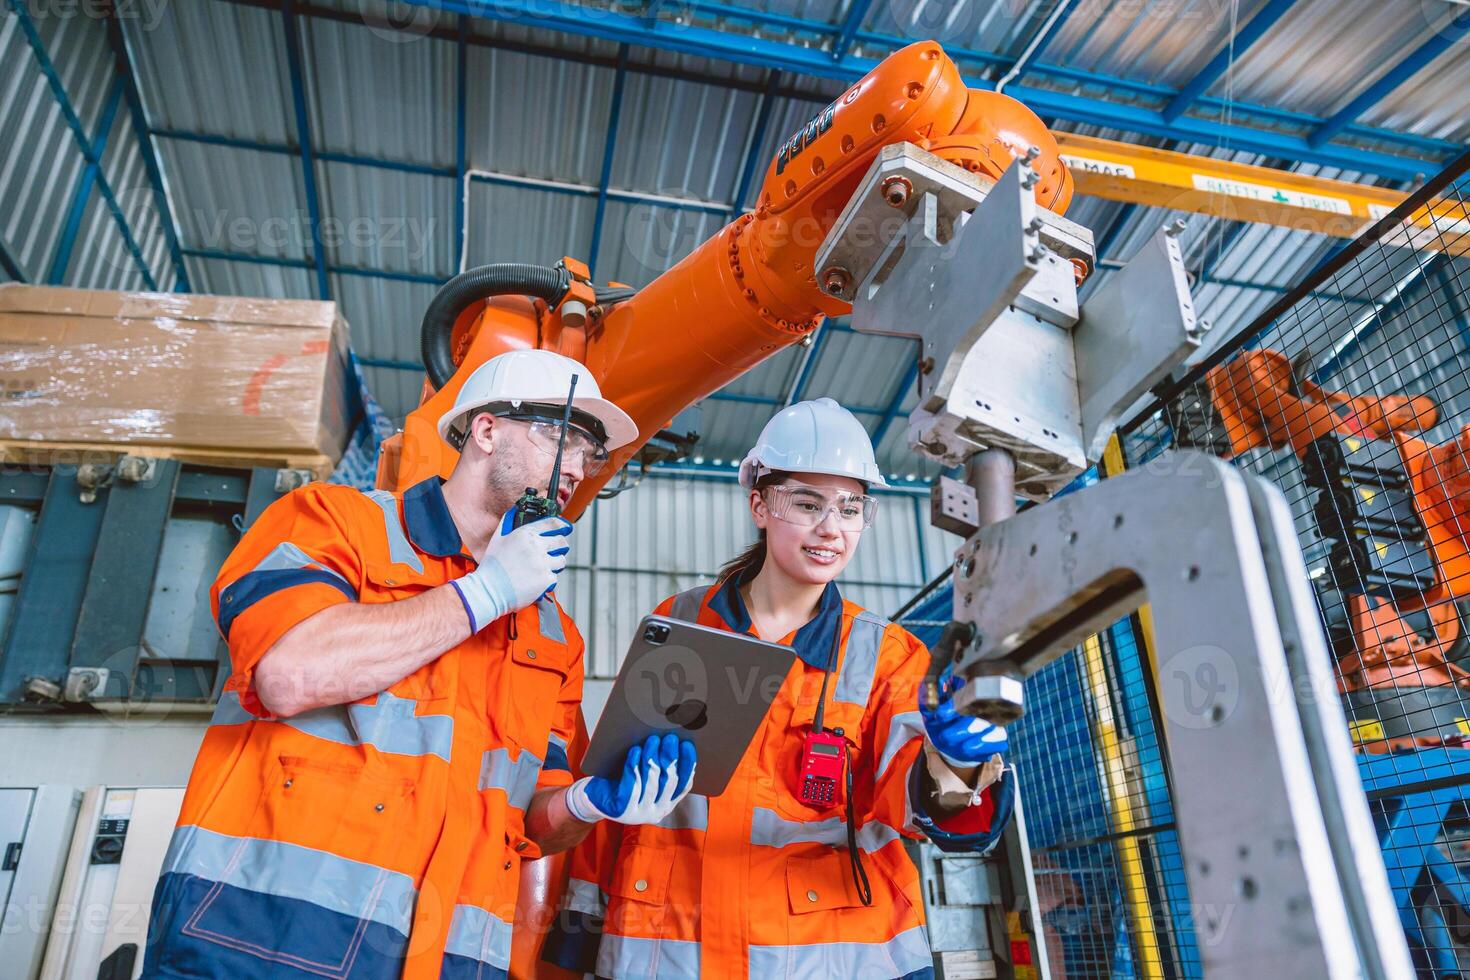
541,377
813,437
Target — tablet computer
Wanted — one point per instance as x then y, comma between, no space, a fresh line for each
703,684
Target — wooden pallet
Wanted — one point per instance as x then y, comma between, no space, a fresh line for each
23,452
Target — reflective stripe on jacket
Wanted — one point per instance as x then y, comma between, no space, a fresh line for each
381,838
754,882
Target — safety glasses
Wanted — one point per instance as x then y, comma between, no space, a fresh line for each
581,445
808,506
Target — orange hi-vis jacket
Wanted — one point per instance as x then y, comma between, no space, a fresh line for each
376,839
754,882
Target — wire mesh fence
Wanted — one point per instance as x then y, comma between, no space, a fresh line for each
1352,394
1095,788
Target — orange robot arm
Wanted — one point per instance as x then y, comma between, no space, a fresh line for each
750,290
1263,404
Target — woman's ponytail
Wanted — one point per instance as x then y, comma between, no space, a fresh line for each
744,565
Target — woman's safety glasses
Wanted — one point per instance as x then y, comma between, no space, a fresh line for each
808,506
581,444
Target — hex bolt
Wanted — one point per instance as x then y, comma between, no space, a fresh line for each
896,190
836,280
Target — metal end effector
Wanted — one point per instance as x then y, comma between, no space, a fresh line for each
1024,386
988,281
1017,379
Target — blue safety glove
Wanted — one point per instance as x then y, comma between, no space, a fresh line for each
517,568
961,740
656,776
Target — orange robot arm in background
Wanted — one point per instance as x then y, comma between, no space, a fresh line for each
1262,403
747,292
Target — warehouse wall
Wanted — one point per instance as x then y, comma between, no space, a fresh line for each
673,532
62,220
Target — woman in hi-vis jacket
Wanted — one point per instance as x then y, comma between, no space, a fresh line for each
755,881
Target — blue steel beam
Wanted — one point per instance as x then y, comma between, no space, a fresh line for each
857,11
1049,30
61,258
303,139
896,404
1400,73
138,117
1262,22
462,54
608,147
1104,242
1239,110
284,149
808,366
611,25
289,263
10,263
79,135
755,153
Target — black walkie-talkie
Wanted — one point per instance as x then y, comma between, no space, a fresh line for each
532,505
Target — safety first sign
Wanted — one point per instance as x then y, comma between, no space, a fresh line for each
1277,195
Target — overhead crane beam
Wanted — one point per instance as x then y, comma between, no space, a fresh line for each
1240,192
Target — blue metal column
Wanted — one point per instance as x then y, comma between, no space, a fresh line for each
10,263
303,138
73,123
894,406
146,149
61,259
608,146
753,154
857,12
462,49
50,597
129,544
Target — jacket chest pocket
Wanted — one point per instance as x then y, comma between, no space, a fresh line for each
537,672
790,744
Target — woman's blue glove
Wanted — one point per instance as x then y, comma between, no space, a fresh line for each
961,740
655,777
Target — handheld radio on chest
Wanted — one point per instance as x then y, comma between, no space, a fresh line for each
532,505
823,754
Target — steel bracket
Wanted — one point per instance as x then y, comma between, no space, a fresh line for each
1280,853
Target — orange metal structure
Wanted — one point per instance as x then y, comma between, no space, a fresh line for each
1263,404
750,290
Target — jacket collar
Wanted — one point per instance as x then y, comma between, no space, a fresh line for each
813,642
429,523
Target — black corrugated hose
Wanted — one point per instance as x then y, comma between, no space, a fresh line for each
549,283
471,286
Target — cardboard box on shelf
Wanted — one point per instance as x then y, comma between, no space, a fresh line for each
264,377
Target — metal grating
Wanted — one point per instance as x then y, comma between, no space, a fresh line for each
1360,413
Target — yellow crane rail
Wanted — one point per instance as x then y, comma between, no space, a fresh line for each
1241,192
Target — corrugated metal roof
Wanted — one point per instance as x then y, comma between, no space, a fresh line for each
382,81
